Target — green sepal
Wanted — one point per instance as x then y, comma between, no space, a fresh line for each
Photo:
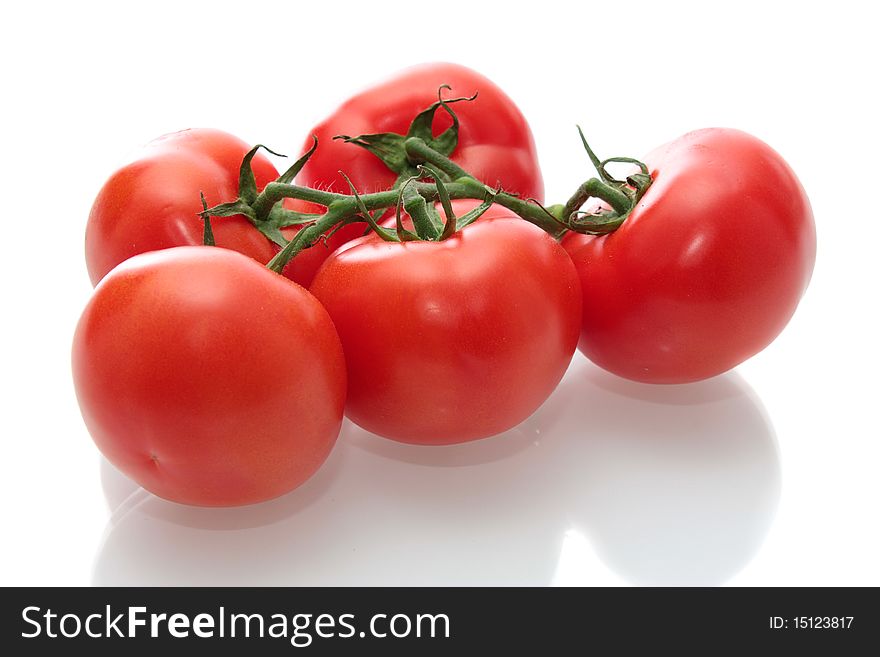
422,125
288,176
272,233
622,195
403,234
389,146
448,228
238,206
282,217
470,217
381,231
247,184
208,234
602,223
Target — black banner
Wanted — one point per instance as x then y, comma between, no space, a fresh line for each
440,621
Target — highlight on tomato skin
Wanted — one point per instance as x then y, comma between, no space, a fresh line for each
452,341
207,378
707,270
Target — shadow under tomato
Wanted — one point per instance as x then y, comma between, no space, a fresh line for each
671,484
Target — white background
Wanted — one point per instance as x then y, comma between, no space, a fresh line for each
765,476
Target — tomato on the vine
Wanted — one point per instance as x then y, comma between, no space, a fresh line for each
708,268
453,340
153,202
207,378
495,142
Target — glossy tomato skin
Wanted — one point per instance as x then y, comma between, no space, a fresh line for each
207,378
152,202
452,341
495,142
706,271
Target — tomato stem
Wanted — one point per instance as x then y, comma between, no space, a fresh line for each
621,195
415,196
595,188
276,191
418,152
531,212
307,236
343,207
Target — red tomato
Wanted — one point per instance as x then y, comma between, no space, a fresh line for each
152,203
495,143
456,340
708,268
207,378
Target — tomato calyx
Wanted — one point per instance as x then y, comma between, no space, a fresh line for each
621,196
268,218
390,147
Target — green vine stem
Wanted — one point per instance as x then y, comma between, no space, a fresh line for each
463,188
450,182
342,207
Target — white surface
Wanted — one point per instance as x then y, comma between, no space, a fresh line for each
765,476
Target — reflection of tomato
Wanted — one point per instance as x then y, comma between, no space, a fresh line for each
495,143
455,340
706,271
207,378
152,203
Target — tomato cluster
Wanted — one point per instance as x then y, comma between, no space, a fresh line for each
212,380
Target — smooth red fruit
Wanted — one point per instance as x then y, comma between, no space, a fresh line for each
706,271
207,378
456,340
153,202
495,143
